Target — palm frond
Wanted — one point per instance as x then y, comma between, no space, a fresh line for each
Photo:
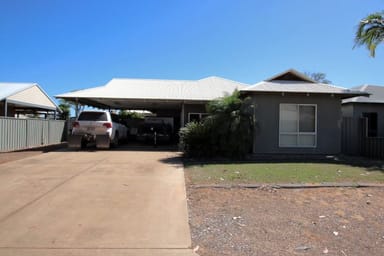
370,32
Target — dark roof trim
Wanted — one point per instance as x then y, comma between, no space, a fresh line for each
291,75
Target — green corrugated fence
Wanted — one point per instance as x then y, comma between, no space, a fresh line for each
16,134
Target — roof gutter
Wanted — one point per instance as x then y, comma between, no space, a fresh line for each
341,95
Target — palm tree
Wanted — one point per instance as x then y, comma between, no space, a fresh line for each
370,32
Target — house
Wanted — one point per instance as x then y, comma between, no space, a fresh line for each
371,108
25,98
295,115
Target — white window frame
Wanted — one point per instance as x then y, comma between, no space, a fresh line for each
298,133
196,113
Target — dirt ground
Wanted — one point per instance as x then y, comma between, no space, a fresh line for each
266,221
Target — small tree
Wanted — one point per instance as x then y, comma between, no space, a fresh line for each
124,114
318,77
65,108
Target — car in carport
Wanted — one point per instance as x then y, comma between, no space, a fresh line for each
102,127
154,133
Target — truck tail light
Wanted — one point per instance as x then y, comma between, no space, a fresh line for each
75,124
107,125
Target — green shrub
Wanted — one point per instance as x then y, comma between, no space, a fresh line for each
226,132
193,139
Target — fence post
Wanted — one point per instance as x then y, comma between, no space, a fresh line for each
363,136
26,133
49,128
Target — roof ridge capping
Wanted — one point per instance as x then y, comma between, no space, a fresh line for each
151,79
226,79
179,80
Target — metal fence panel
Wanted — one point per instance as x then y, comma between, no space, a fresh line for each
10,138
350,136
374,147
57,130
34,132
16,134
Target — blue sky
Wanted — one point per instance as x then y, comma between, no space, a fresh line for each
66,45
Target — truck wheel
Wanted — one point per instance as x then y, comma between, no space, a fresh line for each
83,144
115,141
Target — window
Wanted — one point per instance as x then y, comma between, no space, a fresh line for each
297,126
93,116
372,123
196,117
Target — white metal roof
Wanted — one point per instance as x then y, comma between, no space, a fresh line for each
296,86
153,93
26,95
8,89
295,82
204,89
376,94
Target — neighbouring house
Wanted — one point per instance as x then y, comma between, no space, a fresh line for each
363,123
26,117
371,108
296,115
25,98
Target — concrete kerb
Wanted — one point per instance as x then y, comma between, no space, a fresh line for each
290,186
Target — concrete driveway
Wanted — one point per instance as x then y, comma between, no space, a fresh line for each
94,203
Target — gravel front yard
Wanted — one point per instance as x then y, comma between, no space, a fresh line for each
266,221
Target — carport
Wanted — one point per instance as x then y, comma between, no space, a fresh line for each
183,100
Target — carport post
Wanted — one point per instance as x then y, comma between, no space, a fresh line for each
77,107
182,115
5,107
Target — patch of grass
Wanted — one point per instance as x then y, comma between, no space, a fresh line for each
236,173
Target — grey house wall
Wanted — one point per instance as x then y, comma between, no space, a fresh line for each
176,112
193,108
357,109
266,135
347,110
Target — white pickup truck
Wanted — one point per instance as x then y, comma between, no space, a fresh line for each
101,127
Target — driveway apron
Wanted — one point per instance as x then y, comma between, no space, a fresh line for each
94,203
